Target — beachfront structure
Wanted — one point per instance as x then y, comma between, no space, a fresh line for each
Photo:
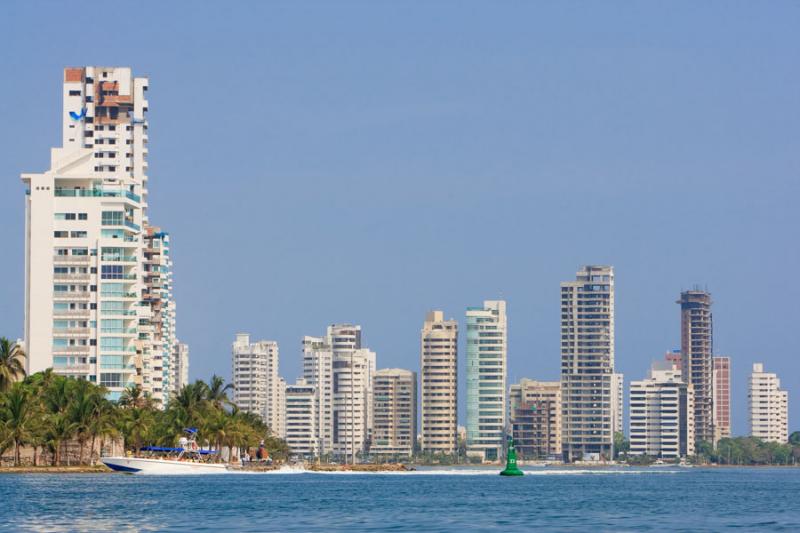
587,364
157,361
662,414
535,419
318,371
722,397
769,406
301,419
617,402
85,223
180,360
439,378
487,352
342,372
697,366
394,410
257,386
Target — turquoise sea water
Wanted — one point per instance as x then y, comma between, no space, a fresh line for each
546,499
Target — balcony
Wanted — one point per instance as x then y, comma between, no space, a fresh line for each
72,369
68,350
71,296
71,331
97,193
71,312
71,277
119,258
71,258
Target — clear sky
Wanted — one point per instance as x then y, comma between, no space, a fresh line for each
366,162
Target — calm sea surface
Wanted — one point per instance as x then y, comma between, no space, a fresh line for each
550,499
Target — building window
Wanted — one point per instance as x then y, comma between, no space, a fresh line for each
60,234
74,93
111,272
83,216
112,218
111,380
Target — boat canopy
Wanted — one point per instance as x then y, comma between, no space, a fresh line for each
174,450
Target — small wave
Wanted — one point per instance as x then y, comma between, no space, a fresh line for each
464,472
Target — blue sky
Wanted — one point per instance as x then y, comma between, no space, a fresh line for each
366,162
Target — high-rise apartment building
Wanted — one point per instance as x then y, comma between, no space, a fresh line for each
439,377
180,360
587,364
662,414
301,419
722,397
769,406
157,266
318,371
487,352
697,367
85,226
617,402
342,372
673,357
258,388
535,419
395,413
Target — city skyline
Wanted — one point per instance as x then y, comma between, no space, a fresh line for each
743,183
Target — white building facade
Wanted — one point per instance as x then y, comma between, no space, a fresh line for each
85,219
343,372
301,419
487,352
258,387
662,415
769,406
181,365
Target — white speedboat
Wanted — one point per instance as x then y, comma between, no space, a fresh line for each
142,465
188,458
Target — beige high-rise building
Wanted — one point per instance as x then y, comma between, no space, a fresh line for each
722,397
617,401
395,412
257,386
662,414
587,364
439,376
769,406
535,417
697,366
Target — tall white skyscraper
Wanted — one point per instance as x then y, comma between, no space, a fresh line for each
487,352
258,387
343,373
86,314
439,376
587,363
662,414
769,406
301,419
318,371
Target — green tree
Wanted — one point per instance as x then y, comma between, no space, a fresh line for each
12,366
18,418
621,445
794,438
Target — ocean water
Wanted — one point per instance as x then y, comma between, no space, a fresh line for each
555,499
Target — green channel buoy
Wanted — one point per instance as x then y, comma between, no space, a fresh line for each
511,461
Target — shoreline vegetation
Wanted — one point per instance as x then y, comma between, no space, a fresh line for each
51,423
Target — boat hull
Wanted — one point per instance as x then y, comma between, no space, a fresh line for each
137,465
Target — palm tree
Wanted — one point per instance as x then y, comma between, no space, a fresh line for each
83,407
137,426
11,363
134,396
217,392
18,417
102,425
59,430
